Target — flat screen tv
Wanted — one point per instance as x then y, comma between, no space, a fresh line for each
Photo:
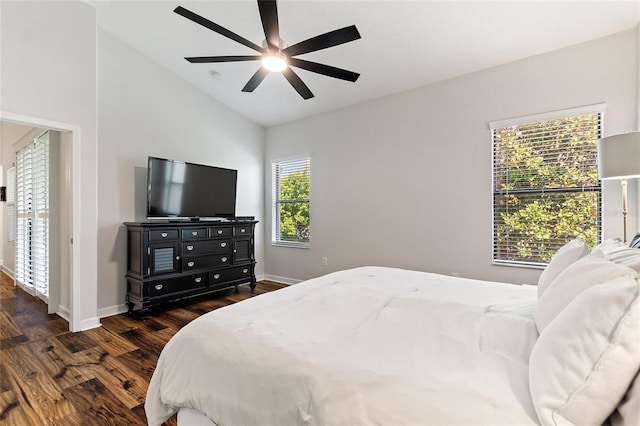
177,189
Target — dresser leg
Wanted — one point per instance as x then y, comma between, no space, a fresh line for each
253,286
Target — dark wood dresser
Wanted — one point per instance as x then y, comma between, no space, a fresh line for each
168,261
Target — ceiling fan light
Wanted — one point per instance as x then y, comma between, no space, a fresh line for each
274,62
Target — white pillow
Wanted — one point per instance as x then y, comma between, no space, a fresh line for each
584,361
610,245
565,256
627,256
577,277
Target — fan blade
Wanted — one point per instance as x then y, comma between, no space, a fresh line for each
297,83
332,38
324,69
269,17
255,80
209,59
217,28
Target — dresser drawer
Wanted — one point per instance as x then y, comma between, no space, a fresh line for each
220,231
231,274
197,248
203,262
177,285
193,233
163,234
242,230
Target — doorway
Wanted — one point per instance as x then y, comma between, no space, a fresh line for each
63,268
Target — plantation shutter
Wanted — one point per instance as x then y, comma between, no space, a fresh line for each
545,186
291,195
24,193
32,214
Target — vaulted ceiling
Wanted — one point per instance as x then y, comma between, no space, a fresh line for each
404,44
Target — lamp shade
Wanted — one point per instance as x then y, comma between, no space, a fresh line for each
619,156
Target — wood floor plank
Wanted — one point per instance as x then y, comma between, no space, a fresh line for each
6,293
178,317
141,361
125,383
38,395
110,342
23,305
8,328
76,342
120,323
127,386
151,342
59,362
10,411
5,384
110,411
10,342
40,325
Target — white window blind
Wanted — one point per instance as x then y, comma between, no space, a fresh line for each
545,187
11,204
291,199
32,215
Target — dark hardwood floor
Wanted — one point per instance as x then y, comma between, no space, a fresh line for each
50,376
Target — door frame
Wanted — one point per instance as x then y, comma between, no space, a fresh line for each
74,205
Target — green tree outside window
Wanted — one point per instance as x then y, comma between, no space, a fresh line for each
293,185
545,187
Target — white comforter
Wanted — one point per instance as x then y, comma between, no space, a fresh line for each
364,346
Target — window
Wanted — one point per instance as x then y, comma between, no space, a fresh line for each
32,215
291,187
545,184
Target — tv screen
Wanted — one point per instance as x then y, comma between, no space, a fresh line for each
178,189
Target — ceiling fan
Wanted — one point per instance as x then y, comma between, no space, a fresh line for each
274,56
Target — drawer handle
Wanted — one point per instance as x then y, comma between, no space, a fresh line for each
223,244
164,235
216,276
189,248
245,270
219,231
194,233
159,286
224,259
198,279
242,231
190,264
177,257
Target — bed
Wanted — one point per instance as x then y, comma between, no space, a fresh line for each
377,345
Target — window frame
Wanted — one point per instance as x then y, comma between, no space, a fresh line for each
530,119
276,202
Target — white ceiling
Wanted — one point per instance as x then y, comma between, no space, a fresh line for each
404,44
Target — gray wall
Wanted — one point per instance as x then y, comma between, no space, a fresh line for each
405,180
144,110
48,73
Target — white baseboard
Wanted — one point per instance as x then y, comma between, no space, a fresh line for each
112,310
281,280
64,313
90,323
7,271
